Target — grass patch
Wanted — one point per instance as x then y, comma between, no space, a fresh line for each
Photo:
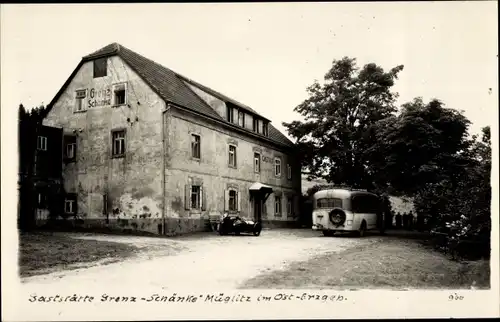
389,263
42,252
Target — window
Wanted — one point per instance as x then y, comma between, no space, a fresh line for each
195,146
266,129
241,119
230,114
100,67
329,203
277,167
277,206
256,162
70,204
80,100
42,200
41,143
232,156
289,171
119,94
256,125
118,143
70,148
289,207
233,200
195,197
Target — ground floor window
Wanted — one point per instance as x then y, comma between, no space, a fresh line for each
289,207
277,205
195,197
70,204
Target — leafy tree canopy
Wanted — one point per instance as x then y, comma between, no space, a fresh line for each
338,118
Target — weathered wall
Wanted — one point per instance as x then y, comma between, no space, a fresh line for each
132,183
213,172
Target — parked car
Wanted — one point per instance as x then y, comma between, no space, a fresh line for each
233,224
346,210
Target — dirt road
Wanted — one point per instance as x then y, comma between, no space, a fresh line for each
200,261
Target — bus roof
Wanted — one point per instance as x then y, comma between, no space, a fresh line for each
340,193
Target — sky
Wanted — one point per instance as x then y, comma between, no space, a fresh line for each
264,55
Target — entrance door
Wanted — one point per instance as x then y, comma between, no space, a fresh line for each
257,208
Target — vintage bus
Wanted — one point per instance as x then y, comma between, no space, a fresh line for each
336,210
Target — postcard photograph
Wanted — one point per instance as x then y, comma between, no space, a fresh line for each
249,160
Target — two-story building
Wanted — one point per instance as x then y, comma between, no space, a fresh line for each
148,149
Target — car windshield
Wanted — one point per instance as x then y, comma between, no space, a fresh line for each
329,203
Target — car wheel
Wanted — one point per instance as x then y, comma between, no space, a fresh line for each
256,233
362,229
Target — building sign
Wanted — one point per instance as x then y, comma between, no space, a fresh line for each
99,97
267,159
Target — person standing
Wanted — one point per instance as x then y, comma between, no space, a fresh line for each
398,221
411,220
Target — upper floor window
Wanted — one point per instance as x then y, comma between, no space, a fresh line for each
195,146
232,156
41,143
241,119
256,125
100,67
277,167
119,94
230,114
118,143
289,171
70,148
266,129
256,162
80,100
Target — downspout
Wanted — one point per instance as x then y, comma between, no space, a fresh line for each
163,170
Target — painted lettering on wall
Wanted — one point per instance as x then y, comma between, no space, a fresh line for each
267,159
99,97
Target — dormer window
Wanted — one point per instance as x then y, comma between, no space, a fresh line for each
241,118
100,67
266,129
256,125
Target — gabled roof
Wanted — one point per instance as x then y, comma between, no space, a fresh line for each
170,86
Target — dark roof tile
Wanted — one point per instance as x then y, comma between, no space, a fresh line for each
171,87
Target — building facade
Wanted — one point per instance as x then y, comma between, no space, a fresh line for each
148,149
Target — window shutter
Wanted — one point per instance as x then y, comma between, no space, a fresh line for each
187,197
238,198
203,198
226,200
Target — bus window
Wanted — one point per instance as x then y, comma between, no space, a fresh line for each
329,203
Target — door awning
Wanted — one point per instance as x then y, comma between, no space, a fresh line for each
257,186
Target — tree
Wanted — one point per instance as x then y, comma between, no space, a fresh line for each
424,144
338,118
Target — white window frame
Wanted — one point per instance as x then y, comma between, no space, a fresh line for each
198,198
235,209
80,95
73,150
289,171
71,203
41,143
232,163
241,118
198,143
277,206
256,162
123,142
119,87
277,165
